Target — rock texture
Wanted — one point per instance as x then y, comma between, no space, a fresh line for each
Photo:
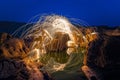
13,48
104,54
4,37
13,70
13,64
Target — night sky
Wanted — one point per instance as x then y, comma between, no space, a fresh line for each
93,12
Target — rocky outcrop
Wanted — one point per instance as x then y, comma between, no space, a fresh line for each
13,61
18,70
13,70
115,32
12,47
4,37
111,31
104,55
105,49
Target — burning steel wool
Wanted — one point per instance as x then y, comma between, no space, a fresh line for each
53,33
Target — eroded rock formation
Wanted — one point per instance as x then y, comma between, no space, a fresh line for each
13,61
104,54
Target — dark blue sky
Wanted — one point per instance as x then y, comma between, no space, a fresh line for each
94,12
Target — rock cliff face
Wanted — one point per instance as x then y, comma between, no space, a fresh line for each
12,63
104,53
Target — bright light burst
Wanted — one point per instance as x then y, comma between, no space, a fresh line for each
53,33
51,28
